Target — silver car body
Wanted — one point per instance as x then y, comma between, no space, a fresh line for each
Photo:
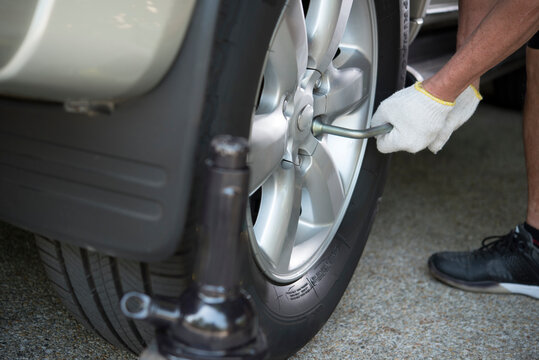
88,49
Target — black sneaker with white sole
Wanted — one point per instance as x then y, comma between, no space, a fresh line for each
503,264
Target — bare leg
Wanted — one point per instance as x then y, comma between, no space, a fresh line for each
471,13
531,135
506,27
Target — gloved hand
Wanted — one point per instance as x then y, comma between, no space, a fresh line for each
417,118
464,108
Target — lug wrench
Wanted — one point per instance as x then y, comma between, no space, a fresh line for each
319,128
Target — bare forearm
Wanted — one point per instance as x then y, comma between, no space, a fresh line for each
507,26
471,13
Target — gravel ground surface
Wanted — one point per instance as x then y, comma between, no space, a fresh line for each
392,309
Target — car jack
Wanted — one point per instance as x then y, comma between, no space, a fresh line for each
214,318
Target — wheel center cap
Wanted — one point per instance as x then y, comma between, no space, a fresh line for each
303,104
299,110
305,117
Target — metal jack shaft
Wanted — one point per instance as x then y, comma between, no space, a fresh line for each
213,318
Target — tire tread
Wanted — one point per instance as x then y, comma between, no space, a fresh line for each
91,285
61,281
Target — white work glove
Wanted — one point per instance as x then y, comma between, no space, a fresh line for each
417,118
465,106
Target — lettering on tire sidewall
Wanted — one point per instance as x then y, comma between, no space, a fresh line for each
307,293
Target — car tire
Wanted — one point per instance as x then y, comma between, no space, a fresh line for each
292,309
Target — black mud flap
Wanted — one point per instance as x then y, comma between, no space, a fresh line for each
117,183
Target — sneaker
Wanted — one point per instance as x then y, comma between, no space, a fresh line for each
503,264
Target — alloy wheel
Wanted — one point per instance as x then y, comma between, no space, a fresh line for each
321,65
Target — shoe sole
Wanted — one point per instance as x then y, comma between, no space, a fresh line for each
485,286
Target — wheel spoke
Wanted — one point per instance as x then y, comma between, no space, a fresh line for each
345,89
323,186
287,59
279,215
267,146
309,237
326,22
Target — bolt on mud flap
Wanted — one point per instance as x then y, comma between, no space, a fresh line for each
214,318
